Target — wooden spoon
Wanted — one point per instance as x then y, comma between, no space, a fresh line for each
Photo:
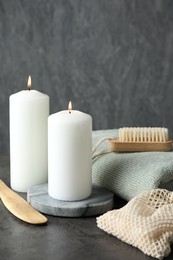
19,207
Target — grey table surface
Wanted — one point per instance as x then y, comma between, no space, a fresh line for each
62,238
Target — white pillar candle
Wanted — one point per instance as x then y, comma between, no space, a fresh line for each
29,111
69,155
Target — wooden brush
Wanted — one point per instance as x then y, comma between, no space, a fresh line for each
141,139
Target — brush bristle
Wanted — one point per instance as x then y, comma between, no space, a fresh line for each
143,134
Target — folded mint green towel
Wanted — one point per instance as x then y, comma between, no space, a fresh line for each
129,174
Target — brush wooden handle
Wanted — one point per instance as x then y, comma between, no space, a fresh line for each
119,146
19,207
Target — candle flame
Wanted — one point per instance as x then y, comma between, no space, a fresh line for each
70,106
29,82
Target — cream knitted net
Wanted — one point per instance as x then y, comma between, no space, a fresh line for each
146,222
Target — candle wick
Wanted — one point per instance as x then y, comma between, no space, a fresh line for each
29,89
69,112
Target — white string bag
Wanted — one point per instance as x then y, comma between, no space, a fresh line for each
145,222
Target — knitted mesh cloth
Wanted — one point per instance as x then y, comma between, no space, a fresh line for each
145,222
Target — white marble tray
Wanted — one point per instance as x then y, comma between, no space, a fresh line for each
100,201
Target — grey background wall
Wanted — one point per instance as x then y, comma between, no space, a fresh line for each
112,58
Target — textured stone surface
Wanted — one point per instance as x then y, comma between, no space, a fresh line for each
113,59
99,202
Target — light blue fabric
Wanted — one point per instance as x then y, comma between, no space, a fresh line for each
129,174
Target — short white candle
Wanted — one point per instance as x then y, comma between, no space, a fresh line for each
29,111
69,155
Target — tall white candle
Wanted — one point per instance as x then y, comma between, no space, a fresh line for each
29,111
70,155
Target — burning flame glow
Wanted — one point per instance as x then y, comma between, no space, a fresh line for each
70,106
29,82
